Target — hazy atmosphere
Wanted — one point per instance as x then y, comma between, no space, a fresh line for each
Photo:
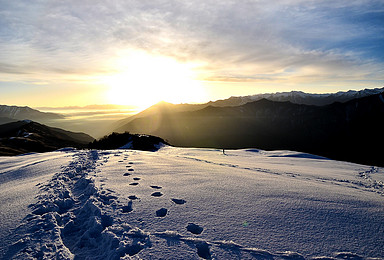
77,53
202,129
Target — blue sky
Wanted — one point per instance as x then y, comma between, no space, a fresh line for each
68,49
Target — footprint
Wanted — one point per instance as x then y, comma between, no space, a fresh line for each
136,179
107,198
178,201
126,174
157,194
156,187
133,197
194,229
203,250
161,212
128,208
130,170
134,183
133,249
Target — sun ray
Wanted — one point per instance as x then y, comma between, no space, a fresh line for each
142,79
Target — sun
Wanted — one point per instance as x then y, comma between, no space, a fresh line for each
143,79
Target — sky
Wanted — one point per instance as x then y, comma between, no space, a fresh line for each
76,53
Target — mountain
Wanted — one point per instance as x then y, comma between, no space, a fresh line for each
299,97
159,108
296,97
345,131
15,113
28,136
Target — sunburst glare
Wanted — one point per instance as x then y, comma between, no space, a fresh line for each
143,79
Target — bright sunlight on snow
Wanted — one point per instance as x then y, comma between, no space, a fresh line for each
181,203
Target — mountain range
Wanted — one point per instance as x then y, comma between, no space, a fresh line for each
345,131
15,113
299,97
296,97
344,125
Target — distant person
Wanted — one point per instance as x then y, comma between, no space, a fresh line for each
224,152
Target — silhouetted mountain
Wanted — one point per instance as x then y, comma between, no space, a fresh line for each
28,136
299,97
348,131
296,97
128,141
159,108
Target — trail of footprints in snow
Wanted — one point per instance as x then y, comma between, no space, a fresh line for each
73,219
202,247
364,181
159,213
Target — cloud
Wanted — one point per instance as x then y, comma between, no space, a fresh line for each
240,40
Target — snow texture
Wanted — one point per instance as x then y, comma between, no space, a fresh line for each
185,203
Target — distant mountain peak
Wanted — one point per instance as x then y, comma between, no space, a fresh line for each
24,112
300,97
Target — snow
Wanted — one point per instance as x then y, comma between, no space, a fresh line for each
189,203
300,97
19,176
128,145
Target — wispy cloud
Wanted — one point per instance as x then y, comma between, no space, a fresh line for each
239,40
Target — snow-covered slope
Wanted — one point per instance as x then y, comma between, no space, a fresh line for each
19,176
181,203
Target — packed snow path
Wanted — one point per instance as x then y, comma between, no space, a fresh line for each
197,203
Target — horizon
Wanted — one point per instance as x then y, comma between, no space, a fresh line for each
138,54
101,107
202,129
